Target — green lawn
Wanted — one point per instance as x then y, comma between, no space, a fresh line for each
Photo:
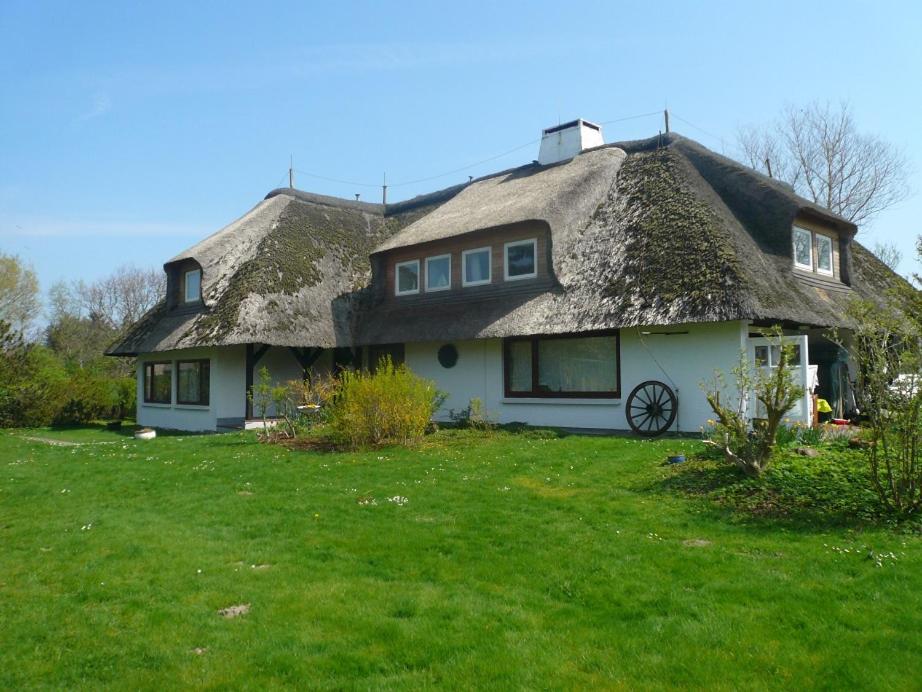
515,561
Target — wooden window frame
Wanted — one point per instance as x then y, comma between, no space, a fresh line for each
536,392
798,265
149,377
438,257
517,243
207,390
419,278
832,268
185,286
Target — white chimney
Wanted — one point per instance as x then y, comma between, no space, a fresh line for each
566,141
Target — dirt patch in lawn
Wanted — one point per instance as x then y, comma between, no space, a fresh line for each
544,488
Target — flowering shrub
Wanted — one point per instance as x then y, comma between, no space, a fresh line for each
388,406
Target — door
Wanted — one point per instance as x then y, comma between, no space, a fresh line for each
765,353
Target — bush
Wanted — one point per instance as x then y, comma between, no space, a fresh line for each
745,440
475,416
33,384
388,406
93,396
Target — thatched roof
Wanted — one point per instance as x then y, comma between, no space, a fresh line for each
679,235
656,232
284,273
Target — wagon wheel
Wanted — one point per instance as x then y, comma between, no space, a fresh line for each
651,408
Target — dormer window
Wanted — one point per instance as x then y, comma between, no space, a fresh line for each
521,259
192,283
803,249
407,278
438,273
814,251
824,254
475,269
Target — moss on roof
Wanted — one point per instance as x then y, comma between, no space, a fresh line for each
666,221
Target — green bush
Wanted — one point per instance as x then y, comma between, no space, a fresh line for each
388,406
94,396
33,385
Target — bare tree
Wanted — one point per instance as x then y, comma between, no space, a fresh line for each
19,300
122,297
818,150
888,253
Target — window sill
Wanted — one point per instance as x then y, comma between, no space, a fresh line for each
151,404
566,401
193,407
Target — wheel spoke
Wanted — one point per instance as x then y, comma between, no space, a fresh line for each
641,422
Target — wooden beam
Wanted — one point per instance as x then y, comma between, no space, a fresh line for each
306,357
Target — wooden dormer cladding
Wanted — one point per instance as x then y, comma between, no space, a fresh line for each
494,238
840,249
175,285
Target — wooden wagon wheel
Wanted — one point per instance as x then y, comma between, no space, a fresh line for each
651,408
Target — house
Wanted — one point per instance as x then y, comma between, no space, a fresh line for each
596,287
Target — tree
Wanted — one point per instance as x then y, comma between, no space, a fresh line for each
19,301
820,152
888,253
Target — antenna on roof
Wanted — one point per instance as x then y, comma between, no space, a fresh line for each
666,117
768,165
357,195
291,172
384,189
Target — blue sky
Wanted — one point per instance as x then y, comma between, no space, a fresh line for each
128,131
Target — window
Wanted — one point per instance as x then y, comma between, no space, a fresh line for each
158,383
563,366
438,273
407,278
476,267
770,357
823,254
193,378
520,259
803,249
193,286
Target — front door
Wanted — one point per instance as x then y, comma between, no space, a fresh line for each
765,354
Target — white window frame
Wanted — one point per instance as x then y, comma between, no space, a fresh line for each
518,243
820,270
431,259
397,267
798,229
464,256
185,287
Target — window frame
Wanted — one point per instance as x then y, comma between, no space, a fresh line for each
438,257
536,392
465,254
798,265
185,286
518,243
832,268
207,390
397,266
148,376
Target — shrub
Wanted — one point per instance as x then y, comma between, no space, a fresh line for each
475,416
747,441
33,383
388,406
888,349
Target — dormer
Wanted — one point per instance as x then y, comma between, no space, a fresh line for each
184,285
819,250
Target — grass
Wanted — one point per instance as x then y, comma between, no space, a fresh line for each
517,560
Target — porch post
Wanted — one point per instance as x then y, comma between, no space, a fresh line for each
253,354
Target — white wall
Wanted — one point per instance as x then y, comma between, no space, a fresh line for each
227,397
687,358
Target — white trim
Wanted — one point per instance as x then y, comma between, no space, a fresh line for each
150,404
438,257
185,286
566,401
808,267
192,407
534,259
820,270
489,250
397,267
